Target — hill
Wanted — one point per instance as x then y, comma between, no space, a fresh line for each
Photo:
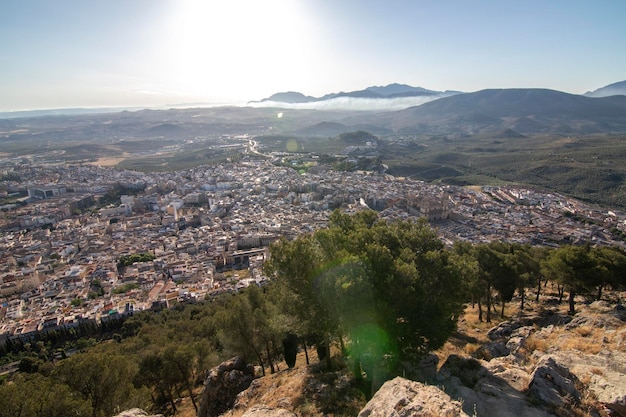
375,92
618,88
289,97
326,129
526,111
537,362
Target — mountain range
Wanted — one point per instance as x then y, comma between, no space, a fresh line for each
396,90
614,89
525,111
376,92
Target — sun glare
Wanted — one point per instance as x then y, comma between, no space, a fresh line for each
247,45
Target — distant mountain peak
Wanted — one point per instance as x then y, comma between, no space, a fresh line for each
289,97
615,89
389,91
395,88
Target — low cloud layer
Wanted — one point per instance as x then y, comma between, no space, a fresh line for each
353,103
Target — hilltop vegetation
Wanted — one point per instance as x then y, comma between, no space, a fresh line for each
370,296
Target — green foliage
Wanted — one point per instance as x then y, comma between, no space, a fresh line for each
126,260
384,291
574,268
104,380
392,289
590,168
39,396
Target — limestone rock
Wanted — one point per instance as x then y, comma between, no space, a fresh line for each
604,371
495,388
502,330
403,398
222,385
553,384
491,350
604,321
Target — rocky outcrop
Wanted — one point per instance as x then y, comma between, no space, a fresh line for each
605,373
401,397
495,388
222,385
553,384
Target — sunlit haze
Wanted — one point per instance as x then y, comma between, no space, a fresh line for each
73,53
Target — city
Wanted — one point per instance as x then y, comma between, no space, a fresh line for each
206,230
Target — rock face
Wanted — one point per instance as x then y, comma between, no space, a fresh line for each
553,384
493,388
403,398
222,385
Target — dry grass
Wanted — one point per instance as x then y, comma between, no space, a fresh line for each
185,409
535,343
597,371
586,346
470,335
584,331
471,348
305,390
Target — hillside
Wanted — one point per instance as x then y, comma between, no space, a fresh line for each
548,111
535,362
618,88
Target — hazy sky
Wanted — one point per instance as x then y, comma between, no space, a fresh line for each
82,53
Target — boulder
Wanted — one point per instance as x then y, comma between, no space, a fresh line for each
491,350
495,388
513,375
222,385
603,373
467,370
424,371
403,398
604,321
518,338
553,384
506,328
502,330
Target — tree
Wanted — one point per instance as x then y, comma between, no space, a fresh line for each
574,268
241,332
391,288
297,267
39,396
104,380
528,269
471,274
181,362
489,267
154,374
610,265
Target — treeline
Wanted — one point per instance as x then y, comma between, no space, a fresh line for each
53,342
382,293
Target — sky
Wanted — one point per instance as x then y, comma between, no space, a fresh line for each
146,53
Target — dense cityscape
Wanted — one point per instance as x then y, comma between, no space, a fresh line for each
70,231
